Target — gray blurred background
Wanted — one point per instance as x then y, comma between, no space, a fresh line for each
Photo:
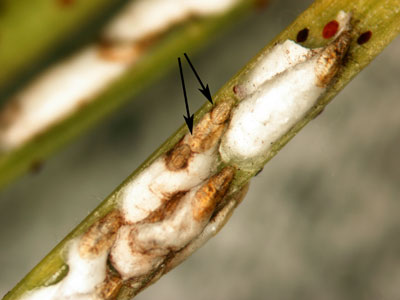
320,222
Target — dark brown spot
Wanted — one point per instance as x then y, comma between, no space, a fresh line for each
330,29
178,157
9,113
302,35
364,37
101,235
36,166
235,89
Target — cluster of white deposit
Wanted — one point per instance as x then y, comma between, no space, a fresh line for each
75,82
160,216
179,201
277,93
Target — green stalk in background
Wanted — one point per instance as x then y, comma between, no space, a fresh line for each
192,34
379,18
28,29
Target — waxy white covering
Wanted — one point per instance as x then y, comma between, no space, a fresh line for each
277,104
160,14
277,93
146,192
57,93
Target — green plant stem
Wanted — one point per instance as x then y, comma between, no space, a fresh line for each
191,35
374,15
29,29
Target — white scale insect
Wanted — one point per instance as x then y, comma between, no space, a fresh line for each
279,91
178,202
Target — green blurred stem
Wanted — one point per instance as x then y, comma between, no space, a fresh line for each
374,15
29,29
193,34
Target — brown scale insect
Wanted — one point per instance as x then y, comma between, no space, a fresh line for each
215,224
220,113
177,158
210,128
101,235
110,288
205,135
211,193
331,58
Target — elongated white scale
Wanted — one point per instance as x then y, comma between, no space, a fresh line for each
262,118
56,94
278,100
146,193
141,248
280,58
212,228
164,13
75,82
169,210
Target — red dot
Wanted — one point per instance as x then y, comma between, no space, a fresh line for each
364,37
330,29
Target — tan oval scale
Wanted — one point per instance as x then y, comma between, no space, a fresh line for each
221,112
177,158
101,235
331,58
207,197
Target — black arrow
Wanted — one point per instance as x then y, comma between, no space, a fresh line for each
205,90
189,118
